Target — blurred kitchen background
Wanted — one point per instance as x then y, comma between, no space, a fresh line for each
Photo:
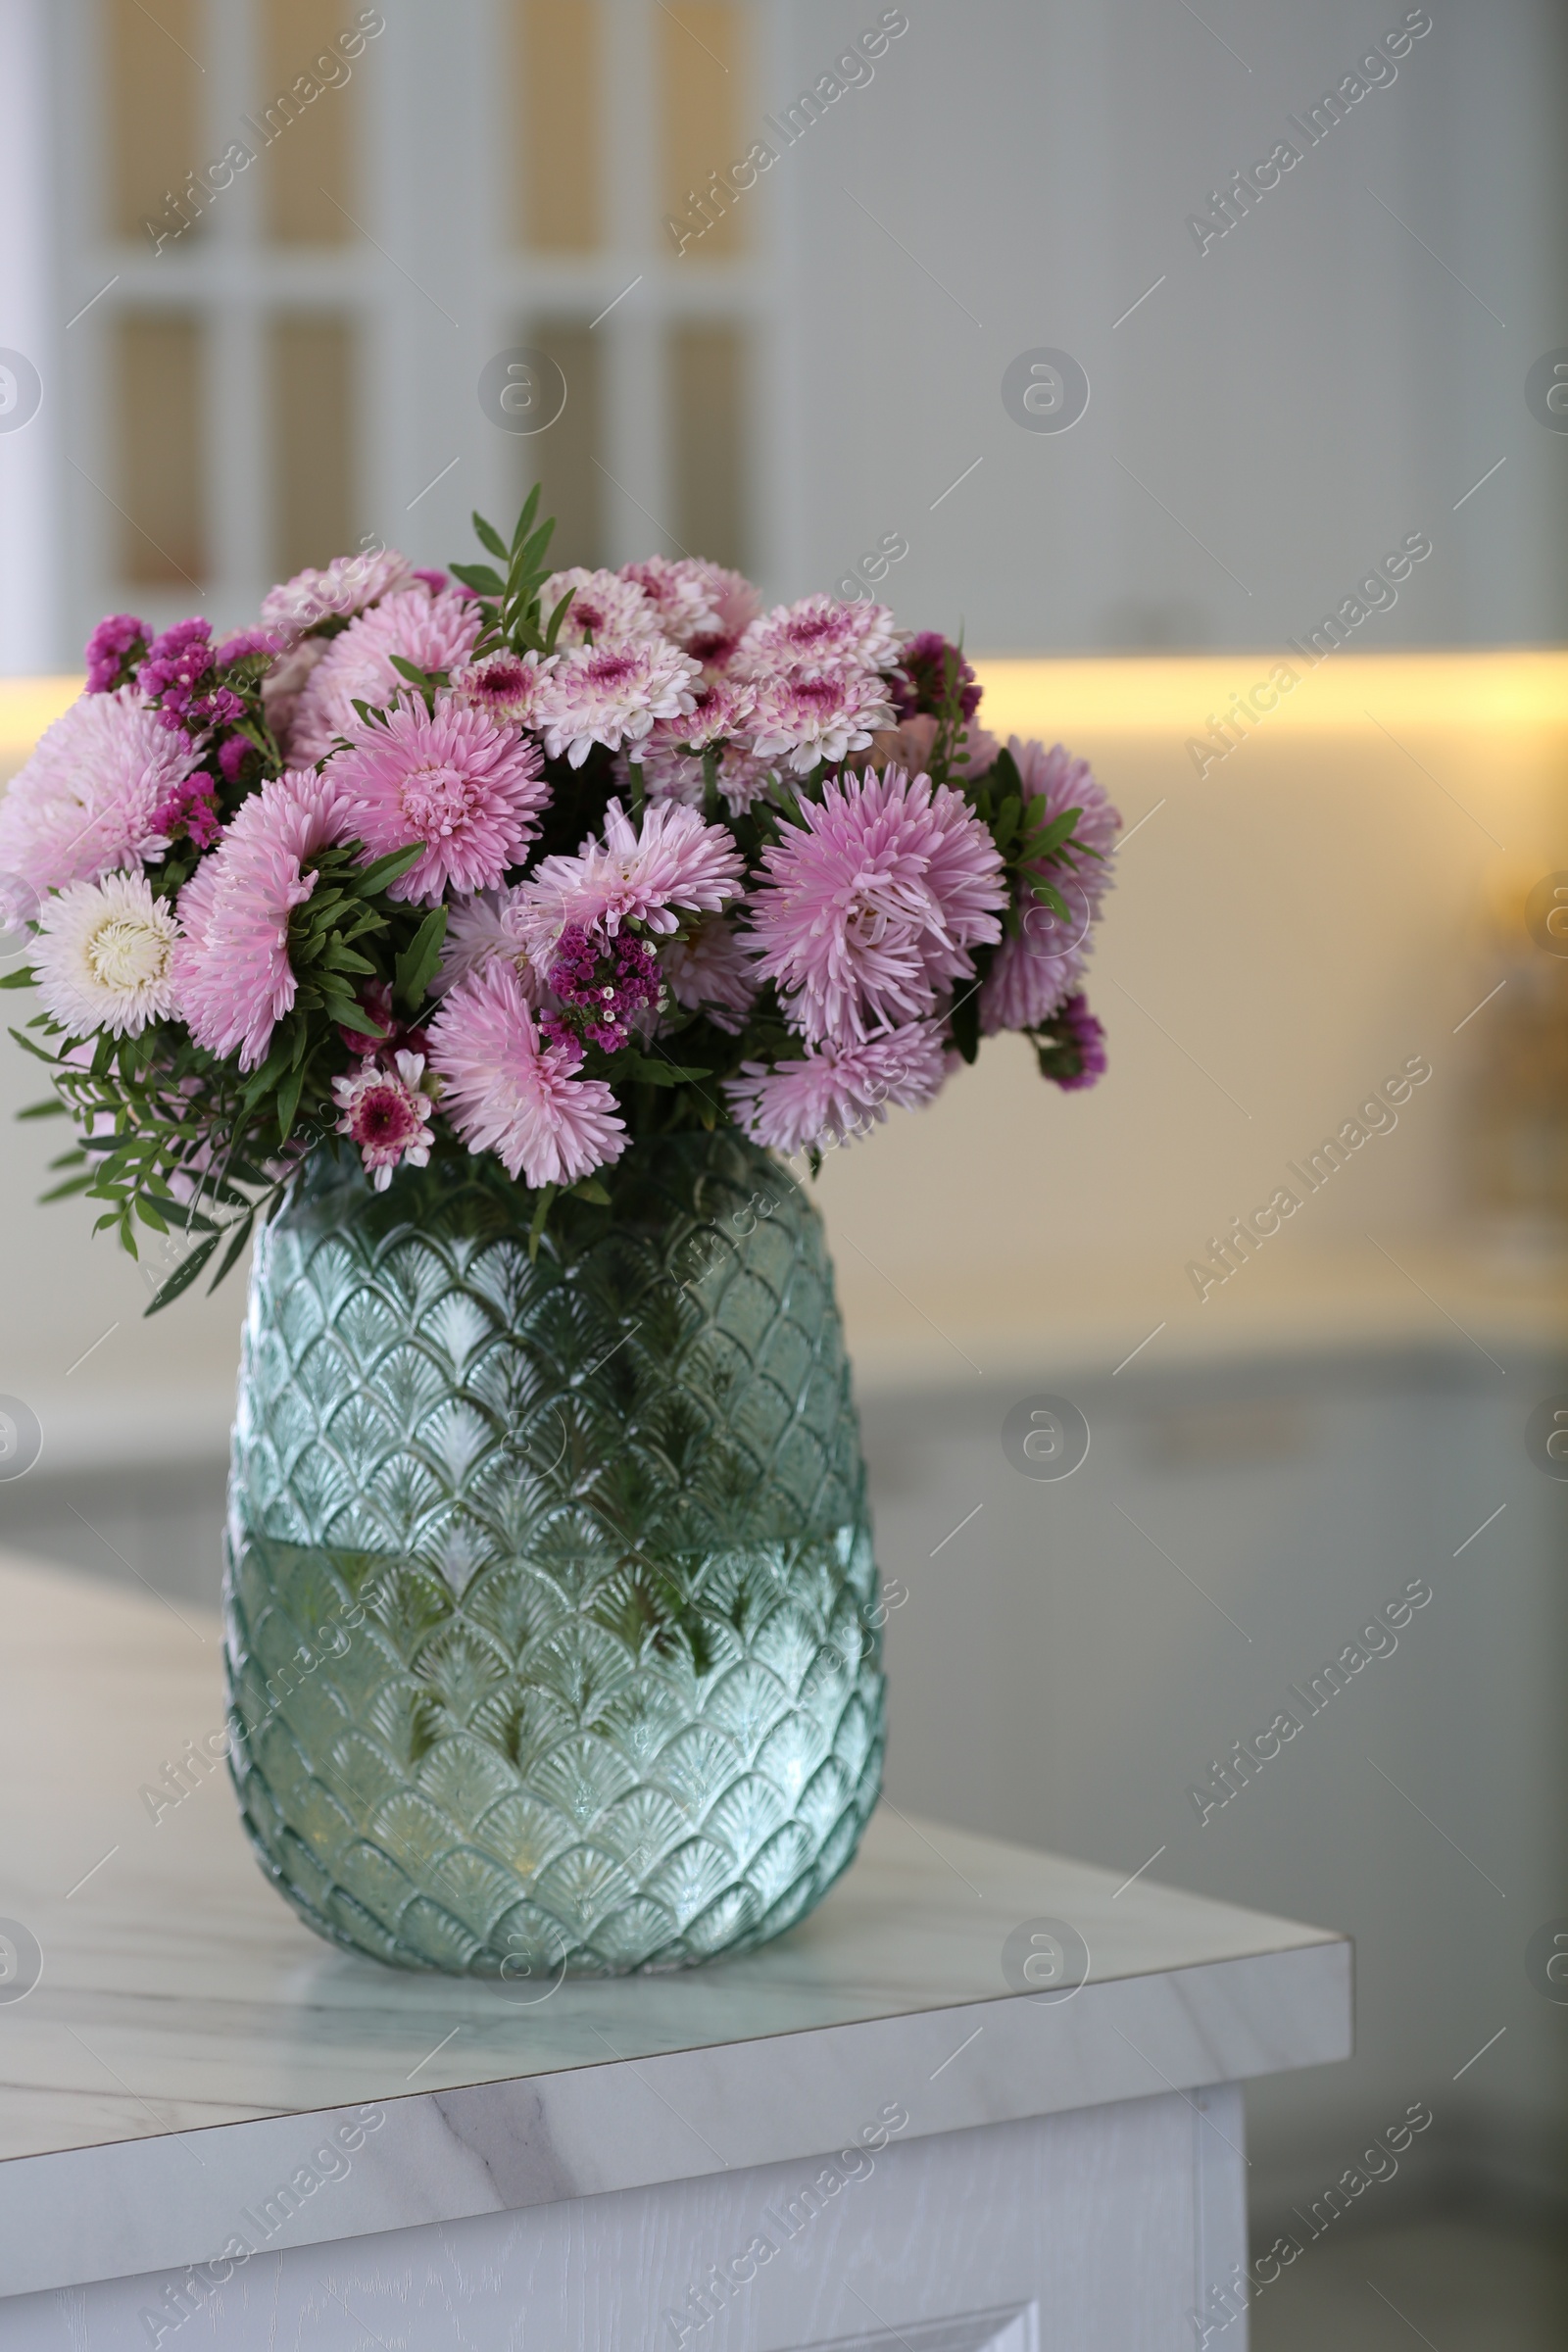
213,374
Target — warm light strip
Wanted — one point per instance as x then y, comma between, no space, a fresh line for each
1157,693
1181,694
27,707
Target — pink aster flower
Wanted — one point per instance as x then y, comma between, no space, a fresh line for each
433,632
504,685
605,604
612,694
478,929
451,779
838,1092
286,681
808,716
871,904
345,586
698,606
708,971
822,632
385,1110
1035,972
676,866
506,1089
86,803
912,742
233,982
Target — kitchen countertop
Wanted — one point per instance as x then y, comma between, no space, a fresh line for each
189,2044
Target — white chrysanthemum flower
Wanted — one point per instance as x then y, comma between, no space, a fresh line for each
104,955
611,609
612,695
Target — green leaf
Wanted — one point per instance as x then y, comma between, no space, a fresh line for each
530,508
33,1048
489,538
21,977
241,1235
288,1103
1051,897
416,965
51,1107
1047,839
1005,771
184,1275
482,579
556,619
73,1184
629,1063
389,868
347,1016
589,1188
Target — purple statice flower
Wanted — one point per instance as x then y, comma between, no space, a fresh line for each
113,649
922,684
245,641
603,985
177,676
1071,1046
188,808
233,756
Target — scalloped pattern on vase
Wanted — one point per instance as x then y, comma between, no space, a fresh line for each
551,1622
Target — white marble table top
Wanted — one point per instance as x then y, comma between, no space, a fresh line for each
190,2041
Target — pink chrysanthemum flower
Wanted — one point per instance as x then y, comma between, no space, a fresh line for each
910,742
385,1110
820,632
433,632
504,685
233,982
612,694
1036,972
470,790
677,866
871,904
478,929
607,605
286,681
104,956
708,971
806,715
836,1092
698,606
344,588
506,1090
86,801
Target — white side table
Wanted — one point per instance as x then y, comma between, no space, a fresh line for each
217,2130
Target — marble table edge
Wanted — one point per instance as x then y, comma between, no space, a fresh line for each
124,2207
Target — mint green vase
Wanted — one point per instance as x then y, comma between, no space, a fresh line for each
552,1615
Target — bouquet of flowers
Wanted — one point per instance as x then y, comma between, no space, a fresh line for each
527,865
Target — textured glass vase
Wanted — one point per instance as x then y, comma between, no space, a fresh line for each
552,1624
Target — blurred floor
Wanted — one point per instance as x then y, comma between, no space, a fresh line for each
1456,2282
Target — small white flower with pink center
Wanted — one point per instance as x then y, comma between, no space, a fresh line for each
613,694
604,605
386,1111
819,633
808,715
700,607
504,685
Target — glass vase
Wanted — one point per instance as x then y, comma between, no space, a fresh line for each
552,1622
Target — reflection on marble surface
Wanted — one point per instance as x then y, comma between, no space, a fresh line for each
187,2030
